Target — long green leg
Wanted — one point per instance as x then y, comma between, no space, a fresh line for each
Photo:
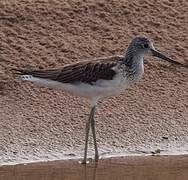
94,135
87,134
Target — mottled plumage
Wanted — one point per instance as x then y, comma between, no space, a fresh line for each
84,72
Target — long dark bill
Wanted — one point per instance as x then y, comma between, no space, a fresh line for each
162,56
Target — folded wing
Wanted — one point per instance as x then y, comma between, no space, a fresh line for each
86,71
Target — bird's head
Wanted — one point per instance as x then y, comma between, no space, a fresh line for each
141,46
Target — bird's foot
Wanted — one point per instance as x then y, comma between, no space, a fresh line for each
96,158
84,162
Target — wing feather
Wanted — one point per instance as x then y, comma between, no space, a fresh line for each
86,71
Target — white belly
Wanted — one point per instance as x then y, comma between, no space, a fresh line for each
102,88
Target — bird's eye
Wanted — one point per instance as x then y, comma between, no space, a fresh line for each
146,46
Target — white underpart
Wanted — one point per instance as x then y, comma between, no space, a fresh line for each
102,88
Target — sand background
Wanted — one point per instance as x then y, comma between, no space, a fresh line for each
38,123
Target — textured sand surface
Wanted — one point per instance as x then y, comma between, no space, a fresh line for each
40,123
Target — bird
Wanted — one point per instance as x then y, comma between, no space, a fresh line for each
98,78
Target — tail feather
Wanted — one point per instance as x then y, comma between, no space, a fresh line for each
21,71
45,74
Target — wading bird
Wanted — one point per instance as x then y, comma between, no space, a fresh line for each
98,78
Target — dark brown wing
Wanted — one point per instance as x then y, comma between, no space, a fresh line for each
86,71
